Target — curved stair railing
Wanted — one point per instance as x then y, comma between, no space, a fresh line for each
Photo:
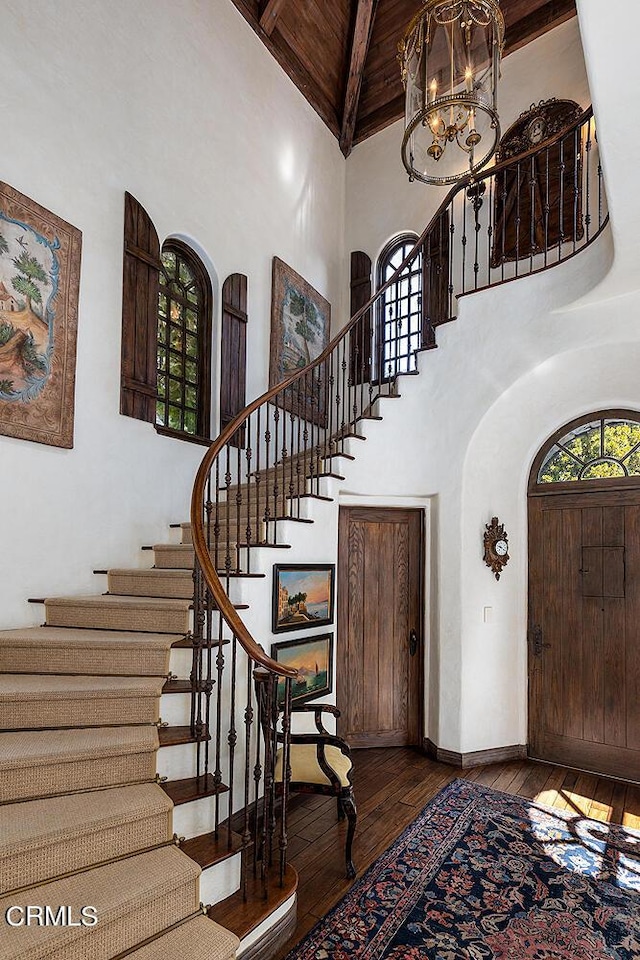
519,217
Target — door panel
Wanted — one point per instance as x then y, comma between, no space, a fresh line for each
584,630
379,683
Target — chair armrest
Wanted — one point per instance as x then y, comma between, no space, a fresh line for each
318,709
324,739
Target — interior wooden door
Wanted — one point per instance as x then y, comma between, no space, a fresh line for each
584,630
380,617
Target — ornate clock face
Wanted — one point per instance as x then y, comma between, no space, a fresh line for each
496,547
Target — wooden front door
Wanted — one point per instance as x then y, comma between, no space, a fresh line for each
380,617
584,630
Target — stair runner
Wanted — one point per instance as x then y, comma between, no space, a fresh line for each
82,822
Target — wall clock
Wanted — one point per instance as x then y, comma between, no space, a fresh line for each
496,547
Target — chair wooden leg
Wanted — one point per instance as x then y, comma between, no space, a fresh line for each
341,813
349,806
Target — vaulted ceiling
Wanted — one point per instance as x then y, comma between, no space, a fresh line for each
342,54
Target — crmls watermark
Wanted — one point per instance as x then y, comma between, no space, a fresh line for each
39,916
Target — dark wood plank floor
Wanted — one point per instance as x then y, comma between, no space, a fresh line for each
393,785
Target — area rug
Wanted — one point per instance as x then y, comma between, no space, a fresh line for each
481,875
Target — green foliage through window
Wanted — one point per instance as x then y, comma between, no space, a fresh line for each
594,451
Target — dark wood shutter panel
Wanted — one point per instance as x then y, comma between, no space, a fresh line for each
233,373
138,383
436,295
360,346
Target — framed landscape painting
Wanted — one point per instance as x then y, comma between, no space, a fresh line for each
303,595
39,285
300,330
312,657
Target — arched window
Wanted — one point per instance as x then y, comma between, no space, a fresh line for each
184,342
400,318
601,446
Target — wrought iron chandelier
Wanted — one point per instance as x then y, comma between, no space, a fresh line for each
450,57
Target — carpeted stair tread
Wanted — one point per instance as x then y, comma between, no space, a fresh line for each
36,701
38,763
135,899
41,839
197,939
73,650
159,615
156,582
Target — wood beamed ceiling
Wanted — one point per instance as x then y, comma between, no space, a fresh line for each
342,54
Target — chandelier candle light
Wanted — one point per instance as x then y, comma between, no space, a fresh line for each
450,57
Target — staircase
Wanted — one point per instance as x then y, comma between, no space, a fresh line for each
103,805
99,805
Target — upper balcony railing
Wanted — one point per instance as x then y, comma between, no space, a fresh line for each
523,215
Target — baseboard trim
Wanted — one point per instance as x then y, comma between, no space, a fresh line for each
475,758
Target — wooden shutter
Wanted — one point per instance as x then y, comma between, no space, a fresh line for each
233,375
360,346
436,296
138,382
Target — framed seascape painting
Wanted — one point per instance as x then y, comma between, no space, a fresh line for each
300,330
39,285
303,595
312,657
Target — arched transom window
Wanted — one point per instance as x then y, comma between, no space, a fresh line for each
184,342
597,448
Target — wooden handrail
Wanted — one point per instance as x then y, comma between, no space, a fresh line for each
213,580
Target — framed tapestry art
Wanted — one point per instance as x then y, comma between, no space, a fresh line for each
302,595
39,285
300,330
312,657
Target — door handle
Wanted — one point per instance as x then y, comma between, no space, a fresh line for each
413,643
536,641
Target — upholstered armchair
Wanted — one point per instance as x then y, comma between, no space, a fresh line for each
321,763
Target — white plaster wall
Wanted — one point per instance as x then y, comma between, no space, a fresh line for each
178,102
380,200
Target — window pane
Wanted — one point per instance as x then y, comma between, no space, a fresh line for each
185,274
190,422
169,263
160,413
175,418
162,360
190,371
620,437
162,304
175,390
190,397
586,444
176,338
603,468
192,321
559,468
175,364
162,386
192,346
632,464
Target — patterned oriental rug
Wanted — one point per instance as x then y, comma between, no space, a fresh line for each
481,875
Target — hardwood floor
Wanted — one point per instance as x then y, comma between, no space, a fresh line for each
392,785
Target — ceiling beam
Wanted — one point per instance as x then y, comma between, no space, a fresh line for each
270,10
359,48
